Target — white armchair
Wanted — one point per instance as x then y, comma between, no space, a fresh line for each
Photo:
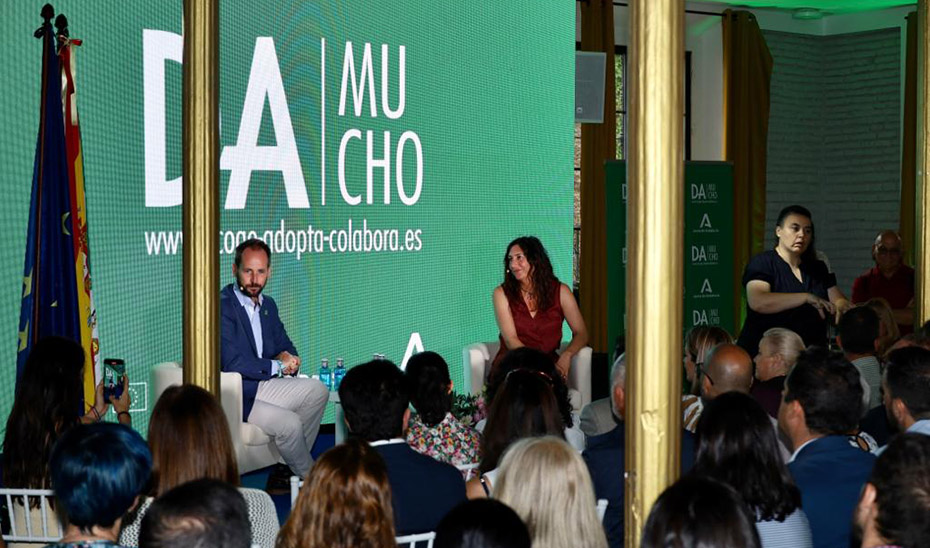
477,360
254,448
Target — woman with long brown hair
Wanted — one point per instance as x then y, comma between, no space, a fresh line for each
531,304
190,440
345,502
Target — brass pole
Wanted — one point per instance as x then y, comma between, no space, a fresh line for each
922,260
655,265
201,193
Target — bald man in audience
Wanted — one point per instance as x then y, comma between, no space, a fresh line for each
728,368
889,279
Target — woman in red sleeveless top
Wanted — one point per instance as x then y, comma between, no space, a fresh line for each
531,304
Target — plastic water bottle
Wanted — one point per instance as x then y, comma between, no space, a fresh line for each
326,376
338,373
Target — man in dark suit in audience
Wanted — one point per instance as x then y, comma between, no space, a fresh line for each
820,408
605,458
374,398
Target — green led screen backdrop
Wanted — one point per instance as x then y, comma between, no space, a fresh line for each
387,151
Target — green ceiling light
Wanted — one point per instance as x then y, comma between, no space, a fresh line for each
807,14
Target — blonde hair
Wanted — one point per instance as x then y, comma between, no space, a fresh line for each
547,483
786,343
889,333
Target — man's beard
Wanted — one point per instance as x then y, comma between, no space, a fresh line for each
247,289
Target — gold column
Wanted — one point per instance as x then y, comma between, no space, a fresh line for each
201,194
922,228
655,272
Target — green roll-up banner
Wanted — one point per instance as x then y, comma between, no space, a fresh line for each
708,246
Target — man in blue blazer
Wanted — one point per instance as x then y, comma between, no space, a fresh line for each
820,408
423,490
255,345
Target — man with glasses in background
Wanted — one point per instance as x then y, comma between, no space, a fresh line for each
889,279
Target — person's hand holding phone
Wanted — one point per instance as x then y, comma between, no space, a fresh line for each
100,407
122,404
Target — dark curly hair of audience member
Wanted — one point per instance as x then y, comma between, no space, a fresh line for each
827,386
736,444
530,358
345,502
374,398
542,275
429,386
190,439
482,523
524,407
197,514
699,512
47,403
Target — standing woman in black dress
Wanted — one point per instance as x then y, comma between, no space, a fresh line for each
789,286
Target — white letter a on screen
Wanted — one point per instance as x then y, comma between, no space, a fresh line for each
247,156
414,346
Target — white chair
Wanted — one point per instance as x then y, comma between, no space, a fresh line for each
468,469
411,541
477,359
254,448
296,484
601,508
31,525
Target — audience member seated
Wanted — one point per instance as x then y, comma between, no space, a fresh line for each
823,397
345,502
778,350
895,503
857,335
48,402
736,445
190,440
433,430
547,483
204,513
605,457
700,341
525,406
482,523
907,390
599,416
888,332
529,358
98,471
889,279
375,402
726,368
698,512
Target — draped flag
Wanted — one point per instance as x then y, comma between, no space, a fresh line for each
86,310
56,273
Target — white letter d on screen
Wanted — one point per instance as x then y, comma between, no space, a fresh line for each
158,47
